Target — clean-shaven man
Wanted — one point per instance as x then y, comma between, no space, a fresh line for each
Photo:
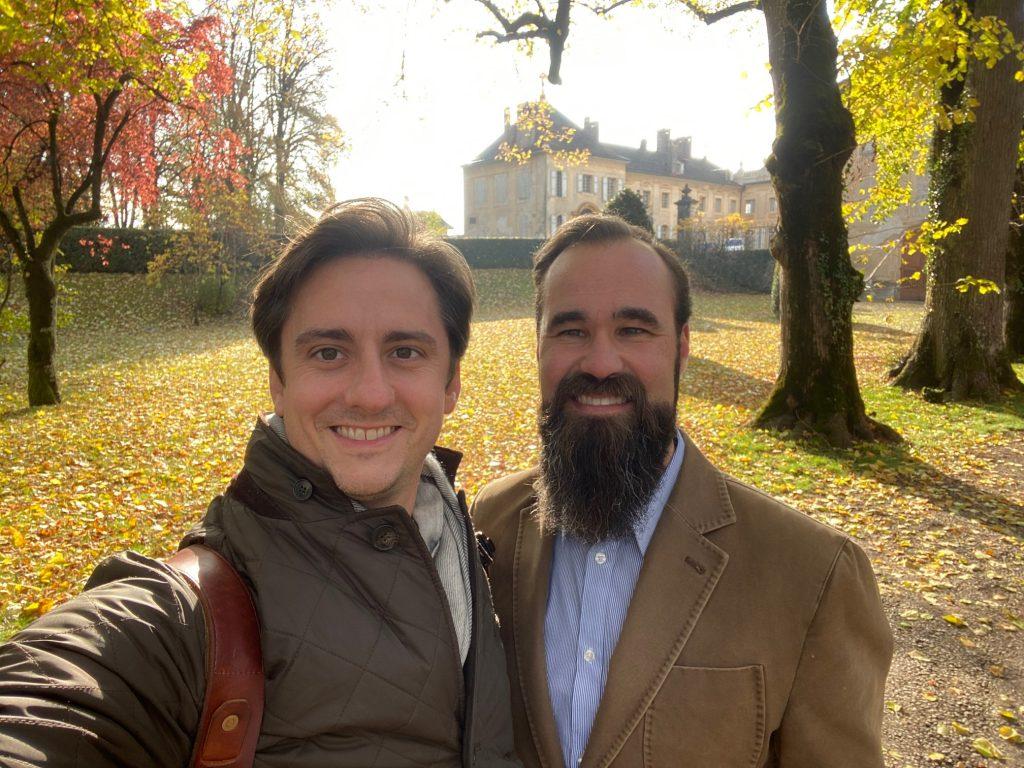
378,636
655,611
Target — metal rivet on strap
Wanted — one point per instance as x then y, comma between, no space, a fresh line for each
230,723
302,489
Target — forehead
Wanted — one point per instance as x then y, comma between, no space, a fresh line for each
371,292
597,277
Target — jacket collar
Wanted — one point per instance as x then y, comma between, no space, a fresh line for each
280,474
659,620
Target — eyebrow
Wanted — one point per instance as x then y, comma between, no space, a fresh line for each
322,334
568,316
421,336
638,314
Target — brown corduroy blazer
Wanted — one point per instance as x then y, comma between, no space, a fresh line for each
755,636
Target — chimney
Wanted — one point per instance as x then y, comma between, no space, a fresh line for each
508,118
643,145
590,128
664,141
683,146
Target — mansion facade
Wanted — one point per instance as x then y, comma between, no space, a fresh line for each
533,199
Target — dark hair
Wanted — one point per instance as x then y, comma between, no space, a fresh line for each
596,228
366,227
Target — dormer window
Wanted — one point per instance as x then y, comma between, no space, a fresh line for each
680,167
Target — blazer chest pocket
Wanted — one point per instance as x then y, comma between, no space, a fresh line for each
705,717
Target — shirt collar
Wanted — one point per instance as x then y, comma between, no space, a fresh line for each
644,527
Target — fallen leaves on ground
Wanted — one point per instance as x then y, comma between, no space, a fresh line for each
157,412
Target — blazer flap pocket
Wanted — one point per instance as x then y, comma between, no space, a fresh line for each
707,716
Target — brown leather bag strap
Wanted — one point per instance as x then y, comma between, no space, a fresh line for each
233,707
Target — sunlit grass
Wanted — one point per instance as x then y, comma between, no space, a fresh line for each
157,411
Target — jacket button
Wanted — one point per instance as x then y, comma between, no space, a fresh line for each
302,489
385,537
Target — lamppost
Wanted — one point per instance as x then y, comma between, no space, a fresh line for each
684,206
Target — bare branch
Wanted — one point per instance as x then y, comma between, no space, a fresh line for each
710,17
534,25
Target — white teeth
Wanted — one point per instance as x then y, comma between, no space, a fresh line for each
586,400
356,433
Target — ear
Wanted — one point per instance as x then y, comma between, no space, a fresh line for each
276,390
453,389
684,342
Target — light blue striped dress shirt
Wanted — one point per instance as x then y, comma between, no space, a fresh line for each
587,601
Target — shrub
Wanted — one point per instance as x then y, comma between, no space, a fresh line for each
716,269
628,205
215,296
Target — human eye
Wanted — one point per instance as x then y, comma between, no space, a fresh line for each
327,354
633,330
406,353
570,333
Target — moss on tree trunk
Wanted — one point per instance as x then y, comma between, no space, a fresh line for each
1014,328
41,292
816,389
960,352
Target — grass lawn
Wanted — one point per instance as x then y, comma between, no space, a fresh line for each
157,412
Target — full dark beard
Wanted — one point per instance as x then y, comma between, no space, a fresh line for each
598,473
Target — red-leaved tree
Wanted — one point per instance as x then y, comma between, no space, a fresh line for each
86,86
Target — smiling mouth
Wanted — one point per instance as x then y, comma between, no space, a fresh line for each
591,400
361,434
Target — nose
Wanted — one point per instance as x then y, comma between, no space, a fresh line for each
370,390
602,359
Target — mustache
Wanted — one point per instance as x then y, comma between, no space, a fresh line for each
621,385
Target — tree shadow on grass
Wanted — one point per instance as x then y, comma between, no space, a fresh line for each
905,472
16,413
707,380
881,330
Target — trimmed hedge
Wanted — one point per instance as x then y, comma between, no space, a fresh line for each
497,252
111,249
125,249
114,249
719,270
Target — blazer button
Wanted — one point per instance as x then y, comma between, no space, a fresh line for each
302,489
385,537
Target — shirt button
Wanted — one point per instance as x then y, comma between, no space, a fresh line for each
589,655
600,558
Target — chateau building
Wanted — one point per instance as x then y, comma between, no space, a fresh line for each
533,199
504,199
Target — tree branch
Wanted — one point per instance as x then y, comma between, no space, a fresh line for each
710,17
534,25
56,183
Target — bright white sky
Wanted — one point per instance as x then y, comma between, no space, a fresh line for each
637,72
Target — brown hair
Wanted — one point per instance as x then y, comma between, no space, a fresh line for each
367,227
596,228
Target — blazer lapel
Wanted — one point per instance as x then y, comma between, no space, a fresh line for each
529,606
679,573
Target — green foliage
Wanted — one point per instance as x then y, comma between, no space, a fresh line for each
896,59
432,222
629,206
216,295
776,290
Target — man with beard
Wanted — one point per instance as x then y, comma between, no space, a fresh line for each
655,611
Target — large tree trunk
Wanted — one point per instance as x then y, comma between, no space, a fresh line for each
960,352
817,388
1014,328
41,291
